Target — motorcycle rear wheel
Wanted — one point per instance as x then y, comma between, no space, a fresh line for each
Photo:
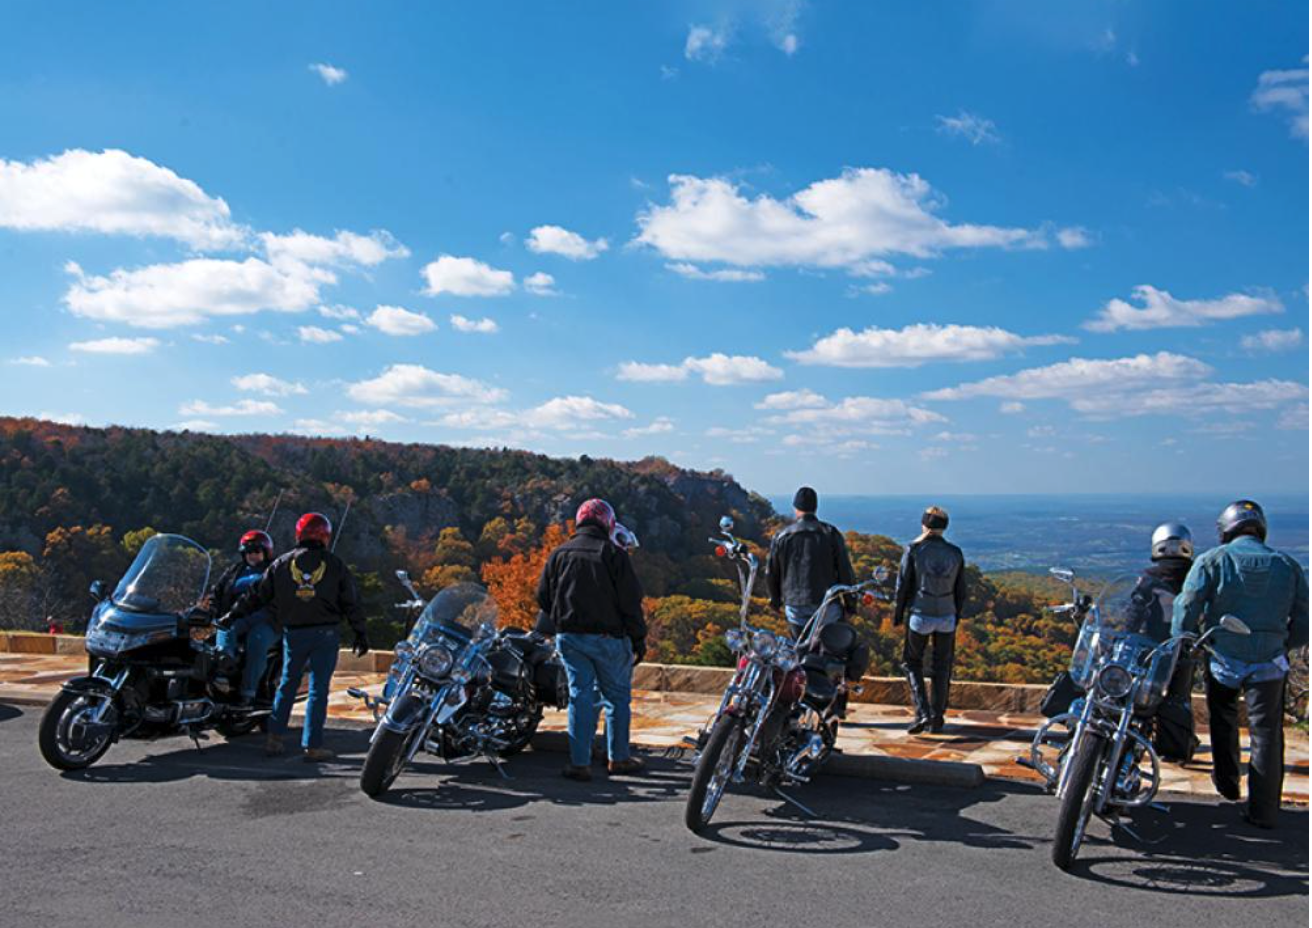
56,733
1077,801
714,769
384,762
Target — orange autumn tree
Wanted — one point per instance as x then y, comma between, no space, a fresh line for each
513,581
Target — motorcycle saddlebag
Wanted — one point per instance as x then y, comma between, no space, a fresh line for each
1060,695
839,640
550,684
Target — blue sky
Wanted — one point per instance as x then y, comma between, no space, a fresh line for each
880,248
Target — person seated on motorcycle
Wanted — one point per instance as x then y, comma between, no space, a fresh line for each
806,558
310,590
255,630
931,587
1267,591
1172,555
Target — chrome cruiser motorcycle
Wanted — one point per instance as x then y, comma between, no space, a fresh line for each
156,669
459,688
1105,763
778,720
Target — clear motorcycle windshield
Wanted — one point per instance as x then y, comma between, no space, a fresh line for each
1118,623
169,575
460,608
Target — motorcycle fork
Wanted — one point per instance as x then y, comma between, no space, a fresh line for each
764,706
116,684
1113,762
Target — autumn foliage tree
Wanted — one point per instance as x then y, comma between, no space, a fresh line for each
513,581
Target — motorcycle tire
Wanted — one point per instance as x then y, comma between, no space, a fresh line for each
53,731
521,742
384,762
714,768
1077,802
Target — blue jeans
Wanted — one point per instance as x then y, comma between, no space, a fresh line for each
798,616
259,634
316,646
597,666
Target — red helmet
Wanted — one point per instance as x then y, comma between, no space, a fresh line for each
256,540
314,526
598,512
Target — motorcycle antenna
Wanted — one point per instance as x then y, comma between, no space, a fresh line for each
340,525
274,511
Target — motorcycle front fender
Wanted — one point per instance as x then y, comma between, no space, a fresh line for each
88,684
403,714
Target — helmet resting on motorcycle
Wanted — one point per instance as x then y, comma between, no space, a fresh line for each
1173,539
597,512
1241,517
314,526
623,537
256,540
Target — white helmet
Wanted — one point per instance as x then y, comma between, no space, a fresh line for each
1173,539
623,537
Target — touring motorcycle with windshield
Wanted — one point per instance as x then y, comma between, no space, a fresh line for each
155,669
778,720
1098,756
458,687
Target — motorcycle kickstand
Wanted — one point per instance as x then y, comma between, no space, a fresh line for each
793,802
498,766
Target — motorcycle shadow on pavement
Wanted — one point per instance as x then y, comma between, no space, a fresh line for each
855,816
176,758
9,713
1204,849
531,777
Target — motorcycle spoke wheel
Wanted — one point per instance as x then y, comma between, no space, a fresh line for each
715,769
1078,799
69,739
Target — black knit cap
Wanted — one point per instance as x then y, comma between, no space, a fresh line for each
805,500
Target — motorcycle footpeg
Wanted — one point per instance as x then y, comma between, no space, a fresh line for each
356,693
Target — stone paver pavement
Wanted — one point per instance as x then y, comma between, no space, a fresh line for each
662,719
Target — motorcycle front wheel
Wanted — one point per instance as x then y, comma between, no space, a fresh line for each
385,761
1077,802
714,770
69,738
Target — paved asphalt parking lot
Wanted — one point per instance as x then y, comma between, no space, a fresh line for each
163,834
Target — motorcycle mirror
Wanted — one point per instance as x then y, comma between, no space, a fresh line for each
403,576
97,590
1062,574
1235,625
880,574
726,523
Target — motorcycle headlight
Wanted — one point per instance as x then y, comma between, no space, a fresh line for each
765,644
436,661
734,639
1114,682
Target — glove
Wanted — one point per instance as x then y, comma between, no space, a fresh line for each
361,645
639,652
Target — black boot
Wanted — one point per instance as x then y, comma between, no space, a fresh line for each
919,701
942,683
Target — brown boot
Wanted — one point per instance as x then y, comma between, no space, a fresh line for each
317,755
580,774
629,765
273,746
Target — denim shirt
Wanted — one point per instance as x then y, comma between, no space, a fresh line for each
1265,589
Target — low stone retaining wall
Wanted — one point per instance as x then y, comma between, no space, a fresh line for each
1010,698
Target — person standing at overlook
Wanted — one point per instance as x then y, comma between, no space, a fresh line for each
806,558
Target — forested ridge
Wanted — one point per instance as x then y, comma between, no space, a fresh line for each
76,504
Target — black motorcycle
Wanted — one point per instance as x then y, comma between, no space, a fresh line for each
155,668
459,688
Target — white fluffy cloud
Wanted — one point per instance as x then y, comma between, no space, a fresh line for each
395,320
848,222
1159,310
332,76
1191,400
466,277
541,284
1242,178
719,370
415,386
974,128
163,296
240,408
317,335
112,192
1074,237
371,418
342,250
1078,377
917,344
268,385
465,324
32,360
793,399
722,275
860,415
561,414
659,426
1273,340
705,43
117,346
553,240
1285,92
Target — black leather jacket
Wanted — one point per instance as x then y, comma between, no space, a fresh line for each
588,587
931,580
806,559
308,586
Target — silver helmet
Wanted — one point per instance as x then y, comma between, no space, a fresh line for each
1172,539
624,538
